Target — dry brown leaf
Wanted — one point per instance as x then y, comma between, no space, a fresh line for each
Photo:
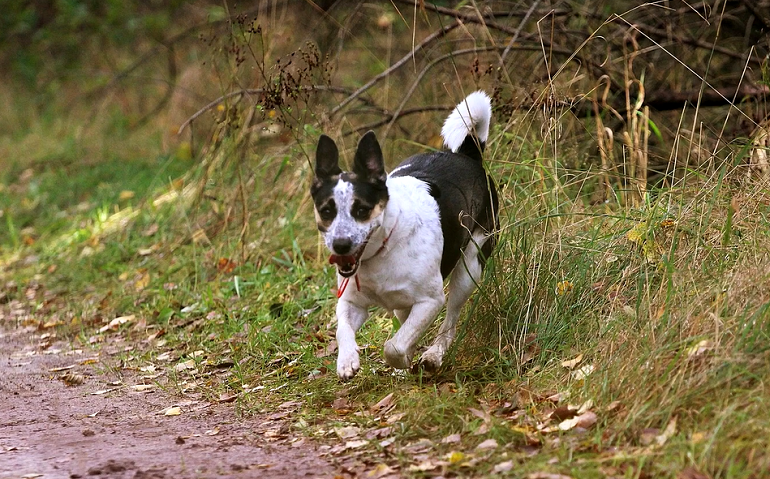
189,364
347,432
583,372
547,475
383,404
117,322
667,433
451,439
584,420
700,349
503,467
142,387
356,444
424,466
172,411
142,282
227,397
379,470
72,379
488,444
572,363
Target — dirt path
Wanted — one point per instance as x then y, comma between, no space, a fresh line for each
51,430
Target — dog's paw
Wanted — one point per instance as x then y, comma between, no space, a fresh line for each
348,365
432,359
396,357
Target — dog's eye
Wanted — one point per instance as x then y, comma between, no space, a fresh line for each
361,212
327,211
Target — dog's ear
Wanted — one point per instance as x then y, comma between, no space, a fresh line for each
326,158
368,161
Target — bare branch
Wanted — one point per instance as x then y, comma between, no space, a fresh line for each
395,66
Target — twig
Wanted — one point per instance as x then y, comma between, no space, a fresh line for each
254,91
518,31
395,66
402,114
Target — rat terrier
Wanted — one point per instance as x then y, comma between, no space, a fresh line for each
399,236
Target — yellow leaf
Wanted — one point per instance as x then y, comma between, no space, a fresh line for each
126,195
142,282
172,411
637,233
455,457
570,364
563,287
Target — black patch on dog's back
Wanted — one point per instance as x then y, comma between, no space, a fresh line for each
466,198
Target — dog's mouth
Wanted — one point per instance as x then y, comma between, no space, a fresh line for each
347,265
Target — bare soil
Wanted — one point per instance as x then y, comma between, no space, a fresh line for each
52,425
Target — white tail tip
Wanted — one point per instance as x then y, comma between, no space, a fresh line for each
470,117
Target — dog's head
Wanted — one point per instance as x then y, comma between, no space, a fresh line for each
349,205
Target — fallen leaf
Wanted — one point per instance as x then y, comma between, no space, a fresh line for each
702,347
455,457
172,411
327,350
547,475
227,397
583,372
383,404
117,322
356,444
151,230
451,439
424,466
562,413
503,467
142,282
488,444
379,470
189,364
142,387
584,420
72,379
212,432
347,432
102,391
570,364
667,433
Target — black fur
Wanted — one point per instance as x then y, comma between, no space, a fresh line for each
466,197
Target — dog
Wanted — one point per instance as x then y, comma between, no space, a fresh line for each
395,238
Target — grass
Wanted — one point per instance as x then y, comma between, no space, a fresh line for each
665,300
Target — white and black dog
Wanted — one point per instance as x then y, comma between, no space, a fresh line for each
399,235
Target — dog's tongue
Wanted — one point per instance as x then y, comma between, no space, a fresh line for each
343,261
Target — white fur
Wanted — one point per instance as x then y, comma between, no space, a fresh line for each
404,277
344,225
471,115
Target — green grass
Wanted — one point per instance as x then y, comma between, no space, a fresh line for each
261,311
219,262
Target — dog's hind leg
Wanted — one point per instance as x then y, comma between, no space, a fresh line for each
350,317
462,283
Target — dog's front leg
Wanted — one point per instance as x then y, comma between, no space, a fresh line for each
399,349
350,317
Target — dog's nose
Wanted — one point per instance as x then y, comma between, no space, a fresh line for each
342,245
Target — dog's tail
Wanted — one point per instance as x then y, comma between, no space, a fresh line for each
467,127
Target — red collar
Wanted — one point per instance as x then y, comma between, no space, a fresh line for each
345,281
